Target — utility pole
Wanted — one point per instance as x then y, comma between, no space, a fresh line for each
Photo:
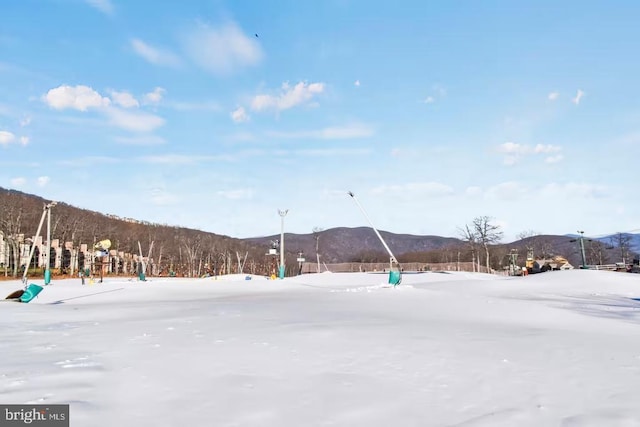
282,214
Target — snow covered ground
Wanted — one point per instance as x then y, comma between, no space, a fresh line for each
458,349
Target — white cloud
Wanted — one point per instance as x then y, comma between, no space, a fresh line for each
579,95
239,115
17,182
243,193
510,159
140,140
329,152
289,97
540,148
124,99
425,189
222,49
155,96
104,6
172,159
473,191
554,159
136,121
510,190
25,121
24,140
357,83
76,97
553,96
6,137
43,181
155,55
194,106
440,90
352,131
514,152
512,148
573,189
86,161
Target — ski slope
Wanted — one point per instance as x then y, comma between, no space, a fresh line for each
457,349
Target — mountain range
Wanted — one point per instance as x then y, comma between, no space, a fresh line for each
339,244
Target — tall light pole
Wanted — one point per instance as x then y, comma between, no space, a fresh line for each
584,258
282,213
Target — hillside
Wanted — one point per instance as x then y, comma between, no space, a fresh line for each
190,251
361,243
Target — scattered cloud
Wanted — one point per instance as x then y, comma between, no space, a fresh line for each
124,99
87,161
437,92
514,152
416,189
289,97
353,131
75,97
473,191
440,90
579,95
154,97
141,140
510,190
25,121
172,159
330,152
136,121
223,49
540,148
43,181
154,55
553,96
6,137
239,115
194,106
573,189
24,140
104,6
17,182
83,98
242,193
357,83
554,159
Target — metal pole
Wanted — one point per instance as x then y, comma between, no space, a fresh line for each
393,258
33,246
584,258
47,271
282,214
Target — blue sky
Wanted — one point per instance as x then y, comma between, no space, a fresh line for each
432,113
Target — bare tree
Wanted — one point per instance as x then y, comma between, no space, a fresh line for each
469,236
598,253
485,233
623,242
